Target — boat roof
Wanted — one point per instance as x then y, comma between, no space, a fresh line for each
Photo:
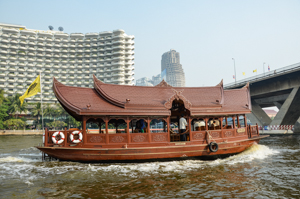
110,99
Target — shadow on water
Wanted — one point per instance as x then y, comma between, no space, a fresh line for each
270,170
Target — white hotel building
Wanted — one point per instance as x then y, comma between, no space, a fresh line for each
71,58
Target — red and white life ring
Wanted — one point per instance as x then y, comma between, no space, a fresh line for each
72,137
62,137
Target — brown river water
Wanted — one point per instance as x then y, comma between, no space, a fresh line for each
270,169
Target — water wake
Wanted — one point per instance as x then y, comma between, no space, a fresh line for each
23,168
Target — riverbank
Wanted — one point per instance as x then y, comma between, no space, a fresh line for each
21,132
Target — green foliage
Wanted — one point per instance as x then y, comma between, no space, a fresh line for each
37,112
3,109
14,124
15,107
56,124
73,122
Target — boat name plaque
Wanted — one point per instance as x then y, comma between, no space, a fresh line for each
241,130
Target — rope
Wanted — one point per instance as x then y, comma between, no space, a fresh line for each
210,137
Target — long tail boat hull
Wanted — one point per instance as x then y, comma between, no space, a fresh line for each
185,150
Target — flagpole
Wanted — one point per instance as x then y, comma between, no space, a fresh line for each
234,71
42,100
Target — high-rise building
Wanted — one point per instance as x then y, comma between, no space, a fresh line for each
145,81
71,58
170,65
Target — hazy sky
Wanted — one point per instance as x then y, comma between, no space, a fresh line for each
207,34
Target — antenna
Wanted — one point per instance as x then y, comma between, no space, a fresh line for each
61,28
50,27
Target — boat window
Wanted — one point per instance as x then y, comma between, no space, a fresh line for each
117,126
229,123
224,122
94,125
198,124
236,121
174,127
138,126
158,126
242,121
214,124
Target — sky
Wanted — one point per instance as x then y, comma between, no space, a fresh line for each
207,34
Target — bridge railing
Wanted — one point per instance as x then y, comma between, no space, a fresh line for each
266,75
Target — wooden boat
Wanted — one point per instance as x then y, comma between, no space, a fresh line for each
136,123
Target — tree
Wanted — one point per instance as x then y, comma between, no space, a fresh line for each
14,124
56,124
3,109
37,111
49,111
15,107
60,111
73,122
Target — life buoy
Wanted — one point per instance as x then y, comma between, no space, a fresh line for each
72,137
213,147
62,137
43,138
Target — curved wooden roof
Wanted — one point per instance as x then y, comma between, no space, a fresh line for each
111,99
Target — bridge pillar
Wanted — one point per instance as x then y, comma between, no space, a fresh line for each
258,115
297,126
290,110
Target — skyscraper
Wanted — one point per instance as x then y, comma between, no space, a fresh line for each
71,58
170,64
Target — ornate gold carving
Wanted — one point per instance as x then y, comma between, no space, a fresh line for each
159,138
118,139
228,134
215,134
139,138
198,136
95,139
241,130
178,96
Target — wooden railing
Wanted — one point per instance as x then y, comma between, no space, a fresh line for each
120,138
102,138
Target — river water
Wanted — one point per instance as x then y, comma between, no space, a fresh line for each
270,169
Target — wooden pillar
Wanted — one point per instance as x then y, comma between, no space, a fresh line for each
106,131
190,127
168,128
127,129
238,121
233,123
100,123
245,122
226,121
221,123
66,137
116,124
148,127
206,125
84,119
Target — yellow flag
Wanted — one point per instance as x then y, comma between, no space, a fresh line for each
32,90
244,73
255,70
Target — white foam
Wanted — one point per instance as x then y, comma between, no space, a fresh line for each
254,152
29,170
14,159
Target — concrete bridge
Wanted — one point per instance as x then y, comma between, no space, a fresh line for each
278,88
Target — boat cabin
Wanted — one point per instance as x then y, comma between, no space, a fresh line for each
121,116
